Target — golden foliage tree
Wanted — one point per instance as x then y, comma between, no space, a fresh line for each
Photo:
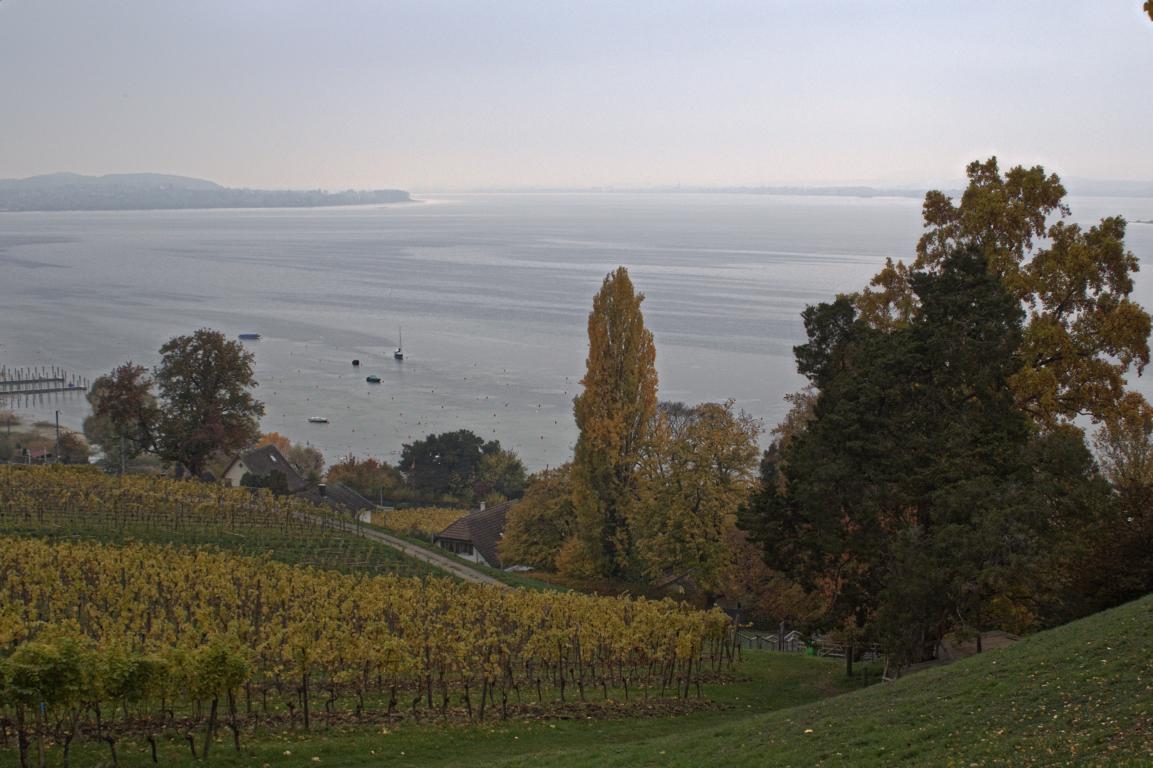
614,415
539,524
282,443
1083,331
699,467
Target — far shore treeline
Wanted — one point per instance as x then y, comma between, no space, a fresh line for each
966,456
154,191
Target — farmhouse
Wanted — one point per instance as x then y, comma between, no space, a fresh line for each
476,535
261,463
340,496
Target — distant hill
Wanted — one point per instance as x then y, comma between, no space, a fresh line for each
1106,188
158,191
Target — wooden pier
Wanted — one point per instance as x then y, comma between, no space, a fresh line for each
32,382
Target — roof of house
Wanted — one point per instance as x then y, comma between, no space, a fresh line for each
338,495
263,461
482,528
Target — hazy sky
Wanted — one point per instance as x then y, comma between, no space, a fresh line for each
429,94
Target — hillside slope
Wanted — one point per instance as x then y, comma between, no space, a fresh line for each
1081,694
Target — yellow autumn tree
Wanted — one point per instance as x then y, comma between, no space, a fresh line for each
1083,333
282,443
699,468
614,414
539,524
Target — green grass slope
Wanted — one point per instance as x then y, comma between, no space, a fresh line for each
770,681
1081,694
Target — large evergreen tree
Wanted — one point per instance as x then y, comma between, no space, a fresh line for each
614,415
917,495
462,465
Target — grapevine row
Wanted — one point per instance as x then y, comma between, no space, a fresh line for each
76,502
382,645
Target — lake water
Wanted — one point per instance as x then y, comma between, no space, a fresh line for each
492,291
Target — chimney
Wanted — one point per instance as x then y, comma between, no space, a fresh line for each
482,505
323,489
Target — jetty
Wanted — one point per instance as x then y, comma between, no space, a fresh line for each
30,382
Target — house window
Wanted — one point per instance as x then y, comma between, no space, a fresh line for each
457,547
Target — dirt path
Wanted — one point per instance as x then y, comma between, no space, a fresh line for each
454,567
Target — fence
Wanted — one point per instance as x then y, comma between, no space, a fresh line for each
794,642
763,640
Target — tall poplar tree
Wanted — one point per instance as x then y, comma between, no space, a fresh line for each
614,414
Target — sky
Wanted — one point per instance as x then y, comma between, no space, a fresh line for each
472,94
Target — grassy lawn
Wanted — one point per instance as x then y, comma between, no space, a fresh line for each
1081,694
775,681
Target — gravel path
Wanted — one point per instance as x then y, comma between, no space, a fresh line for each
452,566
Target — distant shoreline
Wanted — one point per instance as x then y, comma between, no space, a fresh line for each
834,192
72,192
317,206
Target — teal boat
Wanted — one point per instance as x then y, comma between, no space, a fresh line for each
373,379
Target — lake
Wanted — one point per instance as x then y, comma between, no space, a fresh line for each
492,292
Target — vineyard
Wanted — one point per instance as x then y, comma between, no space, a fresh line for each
423,522
101,641
76,503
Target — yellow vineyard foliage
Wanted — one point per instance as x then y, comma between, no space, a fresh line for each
344,629
418,521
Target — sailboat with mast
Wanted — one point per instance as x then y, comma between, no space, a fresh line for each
399,353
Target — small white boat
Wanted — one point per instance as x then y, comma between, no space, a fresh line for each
318,419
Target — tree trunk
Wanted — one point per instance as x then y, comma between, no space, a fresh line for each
211,726
21,737
232,721
40,735
304,699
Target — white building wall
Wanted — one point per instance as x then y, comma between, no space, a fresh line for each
235,474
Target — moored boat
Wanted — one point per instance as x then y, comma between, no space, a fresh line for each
373,379
249,337
318,419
